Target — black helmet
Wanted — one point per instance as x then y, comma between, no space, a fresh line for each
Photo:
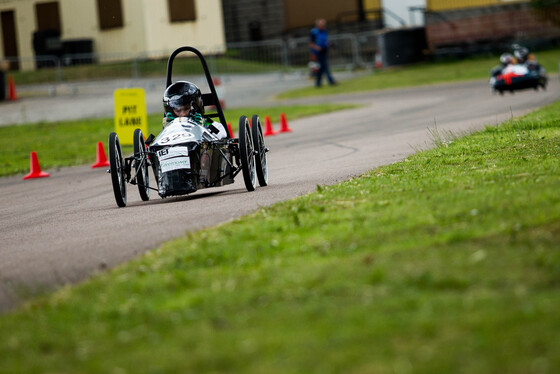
181,94
521,53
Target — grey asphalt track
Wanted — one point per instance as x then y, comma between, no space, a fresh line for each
67,227
71,101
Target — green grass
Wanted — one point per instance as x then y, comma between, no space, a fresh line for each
447,262
71,143
420,74
144,69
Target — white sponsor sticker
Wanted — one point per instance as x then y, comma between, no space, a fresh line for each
174,158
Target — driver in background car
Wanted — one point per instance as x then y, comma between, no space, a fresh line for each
184,99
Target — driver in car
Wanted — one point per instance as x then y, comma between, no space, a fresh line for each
184,99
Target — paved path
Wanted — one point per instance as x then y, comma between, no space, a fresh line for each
95,99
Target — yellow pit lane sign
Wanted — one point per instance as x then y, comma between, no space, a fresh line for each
130,113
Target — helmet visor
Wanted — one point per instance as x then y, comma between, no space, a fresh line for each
178,102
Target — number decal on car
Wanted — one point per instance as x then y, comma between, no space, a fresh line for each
175,137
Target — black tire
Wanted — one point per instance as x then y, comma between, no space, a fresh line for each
246,154
260,150
141,165
116,164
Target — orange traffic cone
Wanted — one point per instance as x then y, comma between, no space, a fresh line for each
101,161
284,124
378,61
230,130
268,131
12,95
35,168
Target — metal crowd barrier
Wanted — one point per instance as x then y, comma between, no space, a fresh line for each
348,51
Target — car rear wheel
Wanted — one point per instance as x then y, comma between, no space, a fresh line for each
260,150
117,166
246,154
141,165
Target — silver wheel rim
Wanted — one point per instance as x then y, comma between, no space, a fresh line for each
251,158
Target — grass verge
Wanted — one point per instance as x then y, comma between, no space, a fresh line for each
71,143
445,262
420,74
145,69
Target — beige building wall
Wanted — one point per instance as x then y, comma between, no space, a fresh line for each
80,20
146,27
206,34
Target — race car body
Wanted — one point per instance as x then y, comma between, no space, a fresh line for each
518,71
187,156
190,154
519,77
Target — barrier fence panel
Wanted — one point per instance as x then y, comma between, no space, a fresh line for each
343,52
38,69
368,46
263,56
92,66
348,51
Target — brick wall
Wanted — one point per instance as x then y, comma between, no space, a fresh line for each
486,25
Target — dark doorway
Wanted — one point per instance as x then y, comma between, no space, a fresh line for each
46,38
9,37
48,16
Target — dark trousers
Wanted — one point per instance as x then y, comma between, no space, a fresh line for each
322,60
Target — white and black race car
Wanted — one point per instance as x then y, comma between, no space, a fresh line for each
187,156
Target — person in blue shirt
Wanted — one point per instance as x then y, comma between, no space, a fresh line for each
319,45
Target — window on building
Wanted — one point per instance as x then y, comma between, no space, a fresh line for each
181,10
110,14
47,16
298,13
